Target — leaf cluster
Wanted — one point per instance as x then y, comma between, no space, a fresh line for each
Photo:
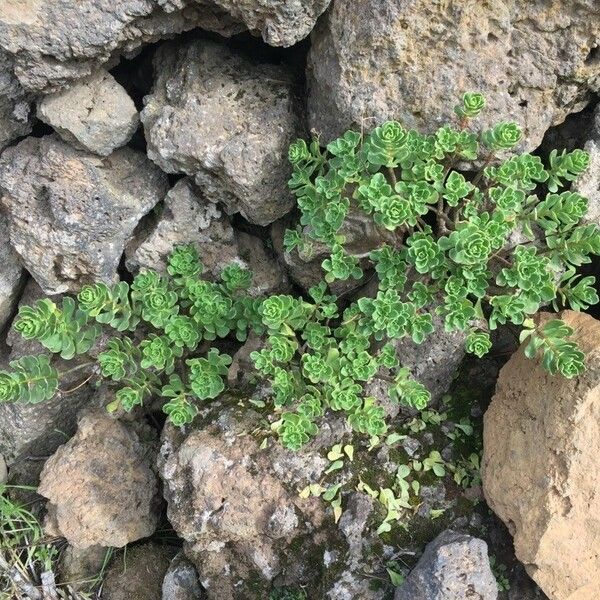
450,254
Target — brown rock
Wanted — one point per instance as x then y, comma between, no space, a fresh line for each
245,527
541,446
100,485
228,512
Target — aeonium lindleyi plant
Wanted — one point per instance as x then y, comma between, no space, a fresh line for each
453,255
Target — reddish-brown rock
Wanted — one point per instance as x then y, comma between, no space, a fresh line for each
100,485
540,465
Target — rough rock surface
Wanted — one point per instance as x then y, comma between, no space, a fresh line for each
372,60
541,443
454,566
588,183
245,527
3,470
435,362
228,122
181,581
71,212
138,574
268,276
94,114
231,516
53,42
11,275
280,22
100,485
37,430
15,109
187,217
354,522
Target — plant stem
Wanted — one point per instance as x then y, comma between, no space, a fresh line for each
383,377
486,162
392,174
70,391
77,368
501,259
443,222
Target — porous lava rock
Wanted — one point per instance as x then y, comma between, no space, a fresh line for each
373,60
70,212
227,121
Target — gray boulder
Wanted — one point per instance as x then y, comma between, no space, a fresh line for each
101,487
11,275
15,105
181,581
435,362
33,431
453,567
94,114
70,213
588,183
51,43
187,217
373,60
227,121
280,22
54,42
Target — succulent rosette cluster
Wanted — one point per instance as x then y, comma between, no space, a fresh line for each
447,205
